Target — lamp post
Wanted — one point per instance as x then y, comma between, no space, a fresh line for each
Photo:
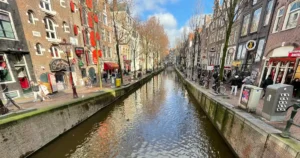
68,45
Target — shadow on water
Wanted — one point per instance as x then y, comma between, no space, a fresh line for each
158,120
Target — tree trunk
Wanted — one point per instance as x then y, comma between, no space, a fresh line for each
225,49
119,61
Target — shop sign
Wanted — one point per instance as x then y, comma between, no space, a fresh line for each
250,45
79,51
294,54
59,65
210,68
236,63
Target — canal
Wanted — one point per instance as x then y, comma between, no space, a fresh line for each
158,120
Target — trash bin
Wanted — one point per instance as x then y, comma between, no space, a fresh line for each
249,97
113,82
118,82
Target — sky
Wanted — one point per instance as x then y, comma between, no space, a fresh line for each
174,15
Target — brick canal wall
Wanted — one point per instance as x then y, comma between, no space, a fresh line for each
23,134
246,134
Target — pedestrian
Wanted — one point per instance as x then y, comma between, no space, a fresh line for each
234,84
296,85
36,91
248,81
105,76
266,83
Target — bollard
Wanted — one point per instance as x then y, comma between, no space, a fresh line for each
286,132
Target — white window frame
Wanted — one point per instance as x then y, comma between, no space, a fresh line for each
288,14
43,3
48,20
277,19
31,16
258,20
254,2
66,27
104,19
40,47
12,25
54,55
10,71
63,3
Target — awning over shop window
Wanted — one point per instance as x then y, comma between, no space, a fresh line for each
283,59
110,66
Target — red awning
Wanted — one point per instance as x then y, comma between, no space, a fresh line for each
110,66
283,59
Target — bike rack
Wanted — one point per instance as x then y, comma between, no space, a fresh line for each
286,132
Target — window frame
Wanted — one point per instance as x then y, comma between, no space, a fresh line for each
48,30
288,14
105,19
268,12
12,26
30,14
61,3
254,2
261,50
45,2
54,55
66,27
38,46
277,19
258,20
9,70
246,25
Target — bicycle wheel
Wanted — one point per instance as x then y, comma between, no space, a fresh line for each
221,90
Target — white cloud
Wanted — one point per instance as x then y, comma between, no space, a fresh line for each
141,6
170,25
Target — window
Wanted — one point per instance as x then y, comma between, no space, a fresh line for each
278,19
66,27
268,12
241,52
30,16
255,20
104,51
54,52
6,27
244,51
245,25
38,48
293,15
5,71
104,19
50,28
45,4
260,48
63,3
254,2
104,8
5,1
85,17
87,37
103,35
108,36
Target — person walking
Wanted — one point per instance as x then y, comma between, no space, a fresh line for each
248,81
234,84
266,83
36,91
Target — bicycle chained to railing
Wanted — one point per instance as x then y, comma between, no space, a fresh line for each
286,132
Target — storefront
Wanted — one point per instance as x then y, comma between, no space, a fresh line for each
59,68
283,65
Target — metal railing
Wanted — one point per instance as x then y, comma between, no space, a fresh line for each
286,132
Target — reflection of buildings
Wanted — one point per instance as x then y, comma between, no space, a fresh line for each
15,62
282,50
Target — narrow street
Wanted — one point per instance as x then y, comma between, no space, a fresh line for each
158,120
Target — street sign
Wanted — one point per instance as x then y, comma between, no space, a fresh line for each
210,67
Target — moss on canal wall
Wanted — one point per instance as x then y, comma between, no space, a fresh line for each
23,134
247,135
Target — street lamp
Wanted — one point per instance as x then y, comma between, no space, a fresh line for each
67,47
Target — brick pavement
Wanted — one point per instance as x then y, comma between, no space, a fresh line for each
233,100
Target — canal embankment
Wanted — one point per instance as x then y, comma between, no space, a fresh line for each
246,134
24,134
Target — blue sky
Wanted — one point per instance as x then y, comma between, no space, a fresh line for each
173,14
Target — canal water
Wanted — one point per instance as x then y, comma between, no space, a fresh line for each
158,120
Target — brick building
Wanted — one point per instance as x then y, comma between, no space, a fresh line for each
16,68
47,23
255,24
282,48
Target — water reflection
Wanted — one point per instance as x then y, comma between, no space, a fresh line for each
158,120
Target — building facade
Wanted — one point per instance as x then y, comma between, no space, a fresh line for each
281,55
16,69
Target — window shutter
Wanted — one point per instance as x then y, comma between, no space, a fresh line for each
80,11
95,57
89,4
92,36
98,36
90,19
72,6
96,18
75,30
